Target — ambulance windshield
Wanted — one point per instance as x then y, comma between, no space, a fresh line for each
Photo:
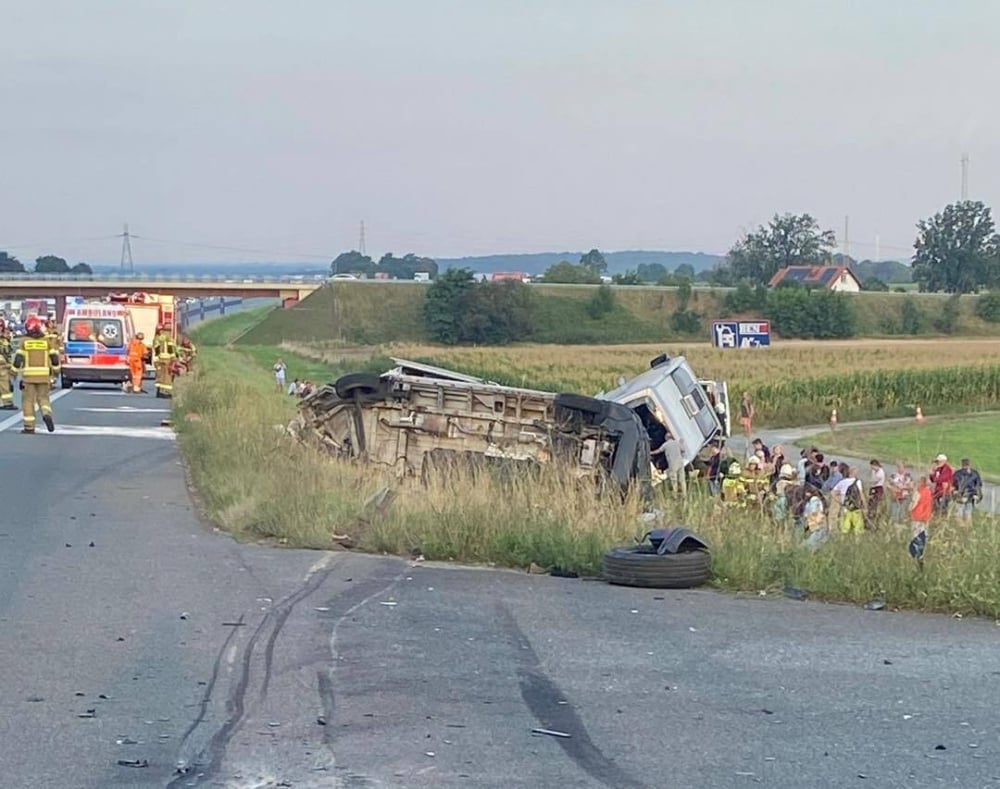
107,331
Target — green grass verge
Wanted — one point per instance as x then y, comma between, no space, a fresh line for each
259,484
223,330
974,437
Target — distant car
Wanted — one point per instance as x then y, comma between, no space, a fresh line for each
343,276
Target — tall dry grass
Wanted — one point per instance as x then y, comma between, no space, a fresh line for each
258,483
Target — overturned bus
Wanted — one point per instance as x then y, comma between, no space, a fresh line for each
416,415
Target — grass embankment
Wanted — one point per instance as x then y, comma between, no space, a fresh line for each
372,313
259,484
974,437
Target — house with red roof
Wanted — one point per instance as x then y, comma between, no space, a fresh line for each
839,278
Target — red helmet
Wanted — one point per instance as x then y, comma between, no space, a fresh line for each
33,326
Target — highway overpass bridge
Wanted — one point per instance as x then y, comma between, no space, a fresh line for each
290,290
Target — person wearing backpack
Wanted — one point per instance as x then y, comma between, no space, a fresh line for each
852,503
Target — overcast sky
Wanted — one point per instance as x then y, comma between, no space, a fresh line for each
469,127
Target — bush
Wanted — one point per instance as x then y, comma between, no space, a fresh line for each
875,284
745,298
686,322
628,278
601,303
460,310
912,317
445,304
988,307
810,313
947,322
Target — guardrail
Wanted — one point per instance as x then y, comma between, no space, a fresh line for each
199,308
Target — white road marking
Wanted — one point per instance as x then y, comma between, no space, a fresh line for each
18,417
125,409
161,433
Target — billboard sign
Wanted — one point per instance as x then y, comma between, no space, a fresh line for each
741,334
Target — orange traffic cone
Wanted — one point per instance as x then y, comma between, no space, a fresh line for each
833,419
920,416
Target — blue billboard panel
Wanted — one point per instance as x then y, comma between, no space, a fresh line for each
741,334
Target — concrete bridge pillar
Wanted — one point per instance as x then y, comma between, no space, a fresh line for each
60,309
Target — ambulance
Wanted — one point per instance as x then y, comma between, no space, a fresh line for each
95,339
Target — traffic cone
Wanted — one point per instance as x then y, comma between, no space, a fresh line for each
833,419
920,416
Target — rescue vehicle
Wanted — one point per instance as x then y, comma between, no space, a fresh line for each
148,311
95,338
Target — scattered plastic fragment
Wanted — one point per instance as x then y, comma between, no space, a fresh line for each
185,615
940,748
886,662
88,714
321,720
133,763
388,602
552,733
767,711
795,593
875,605
126,741
35,699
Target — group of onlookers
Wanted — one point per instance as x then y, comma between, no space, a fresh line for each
817,494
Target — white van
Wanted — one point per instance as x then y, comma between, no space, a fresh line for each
669,395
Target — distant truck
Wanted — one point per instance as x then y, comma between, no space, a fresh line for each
95,338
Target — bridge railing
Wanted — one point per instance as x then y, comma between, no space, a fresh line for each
180,278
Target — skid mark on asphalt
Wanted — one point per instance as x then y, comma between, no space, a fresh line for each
543,697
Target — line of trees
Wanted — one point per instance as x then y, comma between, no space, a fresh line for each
46,264
956,251
388,266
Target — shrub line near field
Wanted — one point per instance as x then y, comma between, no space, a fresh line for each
259,484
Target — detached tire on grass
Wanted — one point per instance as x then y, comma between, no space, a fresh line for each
641,565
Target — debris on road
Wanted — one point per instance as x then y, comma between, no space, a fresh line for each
552,733
133,762
875,605
795,593
185,615
126,741
387,602
87,714
321,720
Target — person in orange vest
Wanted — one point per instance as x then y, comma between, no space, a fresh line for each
135,353
38,364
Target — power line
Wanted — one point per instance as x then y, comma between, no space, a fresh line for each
226,248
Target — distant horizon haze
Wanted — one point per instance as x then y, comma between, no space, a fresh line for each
455,128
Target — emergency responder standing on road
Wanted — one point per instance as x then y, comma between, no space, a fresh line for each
6,370
136,354
54,339
38,364
164,354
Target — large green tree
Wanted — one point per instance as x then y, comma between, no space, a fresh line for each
445,305
10,264
51,264
957,249
571,273
595,261
352,262
787,240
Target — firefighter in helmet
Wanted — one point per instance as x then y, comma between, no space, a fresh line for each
187,352
6,370
38,364
53,338
164,354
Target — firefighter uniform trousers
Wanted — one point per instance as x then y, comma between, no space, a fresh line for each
164,352
37,363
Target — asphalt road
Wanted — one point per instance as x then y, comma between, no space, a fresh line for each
250,666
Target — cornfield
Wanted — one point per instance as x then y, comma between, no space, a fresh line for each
794,383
